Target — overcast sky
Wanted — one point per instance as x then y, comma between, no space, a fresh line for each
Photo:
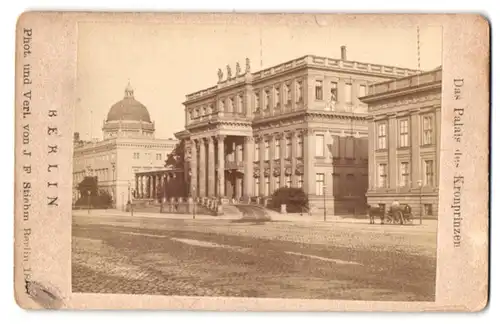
166,62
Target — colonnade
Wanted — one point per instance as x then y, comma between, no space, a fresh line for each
151,185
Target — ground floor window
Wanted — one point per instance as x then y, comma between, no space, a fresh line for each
320,182
277,183
289,181
266,189
300,181
428,209
257,185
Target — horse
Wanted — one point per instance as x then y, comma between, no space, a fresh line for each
376,210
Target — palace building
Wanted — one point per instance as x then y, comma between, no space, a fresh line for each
296,124
128,147
404,135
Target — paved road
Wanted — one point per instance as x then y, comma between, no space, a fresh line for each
134,255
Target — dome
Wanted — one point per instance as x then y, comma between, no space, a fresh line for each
128,109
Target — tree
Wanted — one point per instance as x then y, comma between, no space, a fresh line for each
175,159
295,199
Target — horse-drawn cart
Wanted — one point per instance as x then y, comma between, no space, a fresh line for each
396,214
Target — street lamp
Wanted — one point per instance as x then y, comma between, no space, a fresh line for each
419,182
88,201
130,201
324,203
194,202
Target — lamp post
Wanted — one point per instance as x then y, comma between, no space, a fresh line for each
88,201
194,202
130,201
419,182
324,203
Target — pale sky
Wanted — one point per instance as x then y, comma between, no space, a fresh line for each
166,62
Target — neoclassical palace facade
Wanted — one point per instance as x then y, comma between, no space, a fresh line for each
405,138
129,160
296,124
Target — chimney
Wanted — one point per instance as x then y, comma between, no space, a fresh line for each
343,53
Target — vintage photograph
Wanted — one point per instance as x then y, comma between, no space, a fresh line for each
257,160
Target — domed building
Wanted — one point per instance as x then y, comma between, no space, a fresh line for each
128,118
128,161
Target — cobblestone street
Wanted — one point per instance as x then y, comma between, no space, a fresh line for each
138,255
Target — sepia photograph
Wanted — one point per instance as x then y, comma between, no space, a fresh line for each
257,160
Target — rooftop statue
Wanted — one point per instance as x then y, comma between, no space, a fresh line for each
238,69
229,74
247,68
220,75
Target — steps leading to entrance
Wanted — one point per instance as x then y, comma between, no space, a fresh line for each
231,210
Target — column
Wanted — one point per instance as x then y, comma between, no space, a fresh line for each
294,158
203,168
194,169
151,187
437,126
141,186
262,180
393,166
211,167
136,185
248,155
247,101
309,155
271,163
220,165
372,176
415,148
282,159
238,158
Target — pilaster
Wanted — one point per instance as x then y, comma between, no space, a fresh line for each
415,148
220,165
294,158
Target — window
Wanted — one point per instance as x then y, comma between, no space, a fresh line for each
266,189
382,136
320,145
277,148
427,130
277,183
300,181
319,90
320,182
288,93
288,148
298,86
428,209
300,146
348,92
136,156
429,172
288,181
404,174
257,102
277,96
403,133
362,90
333,91
257,186
266,150
336,184
267,98
257,151
230,105
382,175
158,156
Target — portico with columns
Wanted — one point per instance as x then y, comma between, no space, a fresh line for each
221,165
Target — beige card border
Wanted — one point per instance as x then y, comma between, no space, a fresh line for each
462,273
